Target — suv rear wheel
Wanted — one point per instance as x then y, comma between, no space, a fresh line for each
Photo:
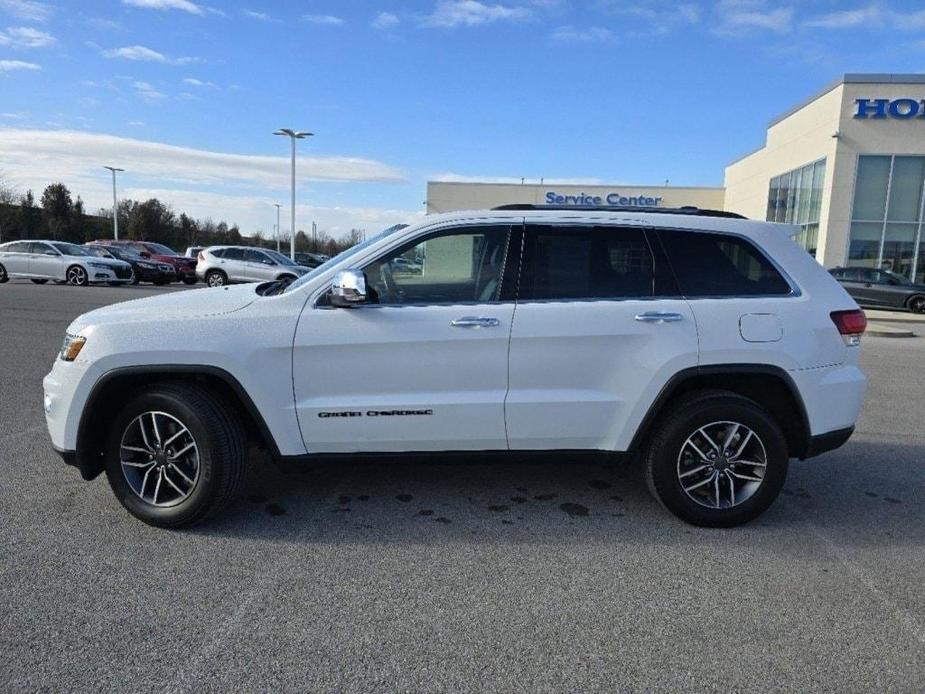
175,456
717,459
216,278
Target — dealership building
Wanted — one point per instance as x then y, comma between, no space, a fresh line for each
847,165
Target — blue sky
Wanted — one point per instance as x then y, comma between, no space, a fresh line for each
185,94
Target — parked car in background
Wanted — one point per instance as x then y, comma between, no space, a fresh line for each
193,251
221,265
311,260
59,261
185,268
145,270
881,288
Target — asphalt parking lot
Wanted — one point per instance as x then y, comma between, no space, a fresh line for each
552,576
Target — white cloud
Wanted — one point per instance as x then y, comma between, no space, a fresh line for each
66,154
582,35
193,82
328,19
744,17
136,123
30,10
454,13
183,5
104,24
145,54
847,19
148,92
26,37
253,14
385,21
11,65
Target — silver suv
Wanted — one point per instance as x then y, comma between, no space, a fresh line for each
221,265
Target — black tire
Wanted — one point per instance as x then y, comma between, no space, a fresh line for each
916,303
135,280
216,278
663,458
221,444
77,276
190,279
4,278
39,281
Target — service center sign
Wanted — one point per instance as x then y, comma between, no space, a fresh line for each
615,199
903,109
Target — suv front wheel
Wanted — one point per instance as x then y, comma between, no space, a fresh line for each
717,459
175,455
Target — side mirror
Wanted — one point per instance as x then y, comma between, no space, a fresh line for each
348,288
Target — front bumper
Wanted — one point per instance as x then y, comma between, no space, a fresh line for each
96,274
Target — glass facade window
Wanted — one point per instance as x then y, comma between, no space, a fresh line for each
886,218
796,198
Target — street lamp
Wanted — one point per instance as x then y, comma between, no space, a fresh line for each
293,135
115,204
277,205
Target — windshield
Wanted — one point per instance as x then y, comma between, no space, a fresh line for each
353,250
279,257
70,249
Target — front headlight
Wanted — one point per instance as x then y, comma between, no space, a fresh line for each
72,346
146,266
102,266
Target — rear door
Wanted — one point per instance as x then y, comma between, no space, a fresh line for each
16,258
598,330
46,262
234,264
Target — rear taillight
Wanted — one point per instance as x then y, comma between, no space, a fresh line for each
851,325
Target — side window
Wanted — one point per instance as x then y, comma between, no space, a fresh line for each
869,276
218,253
234,254
18,247
257,257
586,263
452,266
43,248
708,264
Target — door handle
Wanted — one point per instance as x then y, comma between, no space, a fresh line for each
475,322
658,317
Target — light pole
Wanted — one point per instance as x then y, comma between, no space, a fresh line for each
293,135
277,225
115,203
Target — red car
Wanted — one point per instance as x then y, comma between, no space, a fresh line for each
184,267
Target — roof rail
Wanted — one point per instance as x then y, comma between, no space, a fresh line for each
693,211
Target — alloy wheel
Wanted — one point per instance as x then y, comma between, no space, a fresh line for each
159,459
917,305
216,279
722,465
77,275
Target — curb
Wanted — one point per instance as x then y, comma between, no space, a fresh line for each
879,330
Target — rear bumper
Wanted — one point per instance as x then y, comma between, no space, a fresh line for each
823,443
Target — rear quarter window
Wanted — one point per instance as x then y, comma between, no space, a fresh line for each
714,264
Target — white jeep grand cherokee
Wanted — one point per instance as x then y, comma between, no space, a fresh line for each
712,347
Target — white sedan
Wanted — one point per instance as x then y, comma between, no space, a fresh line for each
59,261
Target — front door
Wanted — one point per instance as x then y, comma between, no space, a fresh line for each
422,366
598,331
